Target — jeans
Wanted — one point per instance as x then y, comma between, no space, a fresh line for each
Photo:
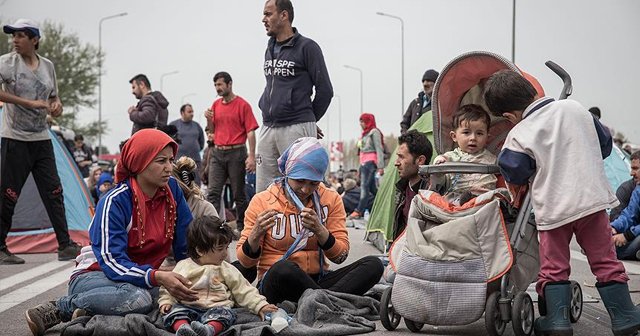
97,295
368,188
628,251
224,315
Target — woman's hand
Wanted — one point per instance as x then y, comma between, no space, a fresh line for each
264,222
311,221
176,285
270,308
165,308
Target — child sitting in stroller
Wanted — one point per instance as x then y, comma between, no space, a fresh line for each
471,131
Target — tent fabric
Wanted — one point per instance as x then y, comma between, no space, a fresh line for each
31,230
380,225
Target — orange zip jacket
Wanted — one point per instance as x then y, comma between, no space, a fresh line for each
275,242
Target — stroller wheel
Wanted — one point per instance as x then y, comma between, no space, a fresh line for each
576,302
492,317
388,316
522,314
413,326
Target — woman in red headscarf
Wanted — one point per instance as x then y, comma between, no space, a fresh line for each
371,149
135,225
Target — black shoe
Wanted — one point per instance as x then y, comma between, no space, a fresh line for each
69,252
8,258
43,317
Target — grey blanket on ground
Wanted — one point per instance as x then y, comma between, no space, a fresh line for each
319,312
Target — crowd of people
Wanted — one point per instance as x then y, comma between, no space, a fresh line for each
150,208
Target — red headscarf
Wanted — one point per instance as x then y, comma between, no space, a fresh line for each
137,153
369,123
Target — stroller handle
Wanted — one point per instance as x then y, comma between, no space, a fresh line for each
459,167
567,89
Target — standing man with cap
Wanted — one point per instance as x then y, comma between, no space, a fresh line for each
422,104
29,90
294,68
232,122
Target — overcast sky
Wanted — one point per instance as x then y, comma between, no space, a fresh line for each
597,42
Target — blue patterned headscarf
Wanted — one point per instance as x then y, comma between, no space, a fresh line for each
304,159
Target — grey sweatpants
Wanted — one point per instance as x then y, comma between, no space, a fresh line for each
272,141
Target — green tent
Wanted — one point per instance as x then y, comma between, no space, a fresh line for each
380,225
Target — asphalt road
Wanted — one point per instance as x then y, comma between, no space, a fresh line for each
44,278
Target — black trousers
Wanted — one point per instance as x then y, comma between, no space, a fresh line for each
229,164
287,281
18,159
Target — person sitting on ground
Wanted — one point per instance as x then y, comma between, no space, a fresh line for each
185,170
623,193
92,182
471,131
626,227
220,286
351,195
131,233
295,225
105,183
414,149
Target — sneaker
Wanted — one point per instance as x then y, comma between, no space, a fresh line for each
43,317
355,215
69,252
8,258
202,329
185,330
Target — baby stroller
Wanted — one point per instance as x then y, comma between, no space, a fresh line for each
454,263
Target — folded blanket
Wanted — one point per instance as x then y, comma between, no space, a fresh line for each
319,312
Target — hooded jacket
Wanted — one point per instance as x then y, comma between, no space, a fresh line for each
276,241
151,112
291,78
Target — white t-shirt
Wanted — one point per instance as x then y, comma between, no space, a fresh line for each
18,122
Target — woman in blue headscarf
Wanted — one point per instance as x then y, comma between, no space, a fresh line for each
295,225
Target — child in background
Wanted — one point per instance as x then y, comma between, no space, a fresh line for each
105,183
471,131
220,286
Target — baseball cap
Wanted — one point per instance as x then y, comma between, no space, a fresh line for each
22,25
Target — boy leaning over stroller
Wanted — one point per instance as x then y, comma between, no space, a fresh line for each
550,138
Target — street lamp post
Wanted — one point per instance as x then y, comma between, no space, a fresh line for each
165,75
361,93
513,33
100,77
402,53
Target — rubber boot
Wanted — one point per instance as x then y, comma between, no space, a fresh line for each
625,316
557,296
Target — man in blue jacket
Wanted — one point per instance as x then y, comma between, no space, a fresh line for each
626,229
293,68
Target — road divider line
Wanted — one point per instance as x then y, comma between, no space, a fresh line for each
32,290
31,274
630,267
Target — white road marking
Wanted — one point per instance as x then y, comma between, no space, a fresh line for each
31,274
632,268
25,293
